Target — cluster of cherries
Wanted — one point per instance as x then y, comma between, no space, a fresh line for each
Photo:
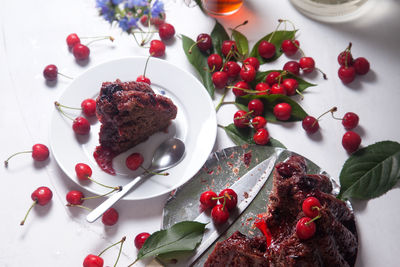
219,212
305,227
80,125
350,67
350,140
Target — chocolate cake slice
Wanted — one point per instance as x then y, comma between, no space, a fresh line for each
130,112
335,241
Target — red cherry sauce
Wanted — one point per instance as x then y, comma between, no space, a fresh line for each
104,157
263,227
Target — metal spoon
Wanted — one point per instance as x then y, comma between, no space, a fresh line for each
167,155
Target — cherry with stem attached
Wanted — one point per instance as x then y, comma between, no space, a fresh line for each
50,73
143,78
350,120
266,49
82,52
80,124
42,196
39,152
310,124
88,107
96,260
84,173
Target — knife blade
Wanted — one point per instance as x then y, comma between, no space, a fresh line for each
247,188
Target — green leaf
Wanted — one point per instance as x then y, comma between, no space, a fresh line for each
199,62
371,171
182,236
277,39
303,85
245,136
218,36
242,43
269,101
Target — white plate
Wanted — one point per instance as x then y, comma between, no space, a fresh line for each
195,125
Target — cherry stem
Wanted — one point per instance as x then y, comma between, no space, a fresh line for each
101,38
244,116
300,93
106,194
316,217
62,112
29,210
68,77
217,198
145,66
155,173
78,206
191,47
247,90
242,24
107,248
286,20
60,105
222,99
22,152
346,55
277,27
107,186
333,116
120,250
331,111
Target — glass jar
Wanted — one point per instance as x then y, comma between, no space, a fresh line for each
221,7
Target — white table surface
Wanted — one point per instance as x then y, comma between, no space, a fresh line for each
33,35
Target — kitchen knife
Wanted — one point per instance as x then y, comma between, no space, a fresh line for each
247,188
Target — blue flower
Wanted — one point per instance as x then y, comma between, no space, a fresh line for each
157,8
127,23
117,2
102,3
134,3
105,10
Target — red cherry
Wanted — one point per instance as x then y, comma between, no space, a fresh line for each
350,120
219,79
74,197
252,61
305,230
72,40
83,171
42,195
134,161
258,122
310,124
292,67
232,69
50,72
361,65
204,42
89,107
282,111
40,152
214,62
345,58
266,49
219,214
144,20
140,239
257,106
272,77
143,79
238,86
206,199
278,89
80,51
110,217
311,206
157,48
307,64
81,125
247,73
347,74
261,137
351,141
227,46
290,47
290,85
263,88
166,31
93,261
241,119
230,198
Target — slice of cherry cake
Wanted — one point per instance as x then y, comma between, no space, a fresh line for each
129,113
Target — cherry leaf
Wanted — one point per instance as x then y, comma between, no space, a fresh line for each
241,136
269,101
242,43
277,39
182,236
199,62
371,171
218,36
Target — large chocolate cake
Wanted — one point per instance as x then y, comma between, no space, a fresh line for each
129,113
333,244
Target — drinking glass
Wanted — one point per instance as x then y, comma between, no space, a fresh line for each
221,7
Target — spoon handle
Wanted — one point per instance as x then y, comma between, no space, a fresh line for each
97,212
